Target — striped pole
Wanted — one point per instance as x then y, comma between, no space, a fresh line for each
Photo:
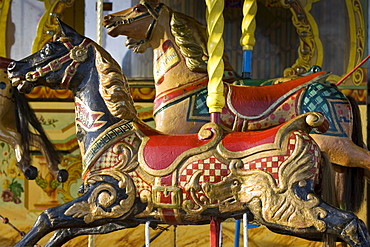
215,68
247,40
99,19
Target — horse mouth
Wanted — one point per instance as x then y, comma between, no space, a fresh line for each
22,85
229,201
16,81
110,28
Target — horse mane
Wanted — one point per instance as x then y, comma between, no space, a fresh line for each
191,37
113,86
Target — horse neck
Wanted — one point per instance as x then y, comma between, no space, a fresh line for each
169,65
92,114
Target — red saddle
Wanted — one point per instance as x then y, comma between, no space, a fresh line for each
160,151
254,101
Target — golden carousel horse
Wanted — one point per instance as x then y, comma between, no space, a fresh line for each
181,80
15,117
134,174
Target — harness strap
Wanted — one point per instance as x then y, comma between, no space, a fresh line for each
176,94
154,12
78,54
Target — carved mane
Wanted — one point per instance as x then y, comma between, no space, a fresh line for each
113,86
191,36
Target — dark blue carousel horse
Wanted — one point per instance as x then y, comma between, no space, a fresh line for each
134,174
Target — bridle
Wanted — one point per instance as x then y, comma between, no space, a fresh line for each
78,55
153,12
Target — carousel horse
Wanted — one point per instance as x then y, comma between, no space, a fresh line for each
15,117
133,173
179,48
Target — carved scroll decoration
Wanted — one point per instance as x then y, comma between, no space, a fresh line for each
311,52
101,202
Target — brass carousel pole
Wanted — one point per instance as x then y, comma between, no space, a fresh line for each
215,68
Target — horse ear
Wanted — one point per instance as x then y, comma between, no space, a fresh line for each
69,32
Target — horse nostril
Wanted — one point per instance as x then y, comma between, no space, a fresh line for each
11,66
107,17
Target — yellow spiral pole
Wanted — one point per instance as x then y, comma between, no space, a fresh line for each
247,40
215,67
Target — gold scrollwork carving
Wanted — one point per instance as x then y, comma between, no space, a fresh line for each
104,196
310,51
74,168
357,36
258,190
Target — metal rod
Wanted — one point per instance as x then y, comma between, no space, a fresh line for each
237,233
245,230
147,234
353,70
6,221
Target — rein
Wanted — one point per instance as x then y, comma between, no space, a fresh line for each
78,55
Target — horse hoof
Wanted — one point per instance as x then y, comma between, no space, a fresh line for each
62,176
31,173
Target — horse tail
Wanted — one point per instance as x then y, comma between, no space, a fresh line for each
353,177
25,116
328,191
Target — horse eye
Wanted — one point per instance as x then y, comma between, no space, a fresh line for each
235,183
139,9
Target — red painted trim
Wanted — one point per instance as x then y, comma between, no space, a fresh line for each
161,99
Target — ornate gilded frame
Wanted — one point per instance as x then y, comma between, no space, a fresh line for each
310,51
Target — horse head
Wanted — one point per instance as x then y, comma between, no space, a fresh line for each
137,22
55,65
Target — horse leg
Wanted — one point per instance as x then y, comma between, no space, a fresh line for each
106,200
346,225
343,151
52,161
13,138
61,236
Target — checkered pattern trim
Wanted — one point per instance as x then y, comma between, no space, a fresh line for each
213,171
272,164
110,159
101,142
140,184
332,103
